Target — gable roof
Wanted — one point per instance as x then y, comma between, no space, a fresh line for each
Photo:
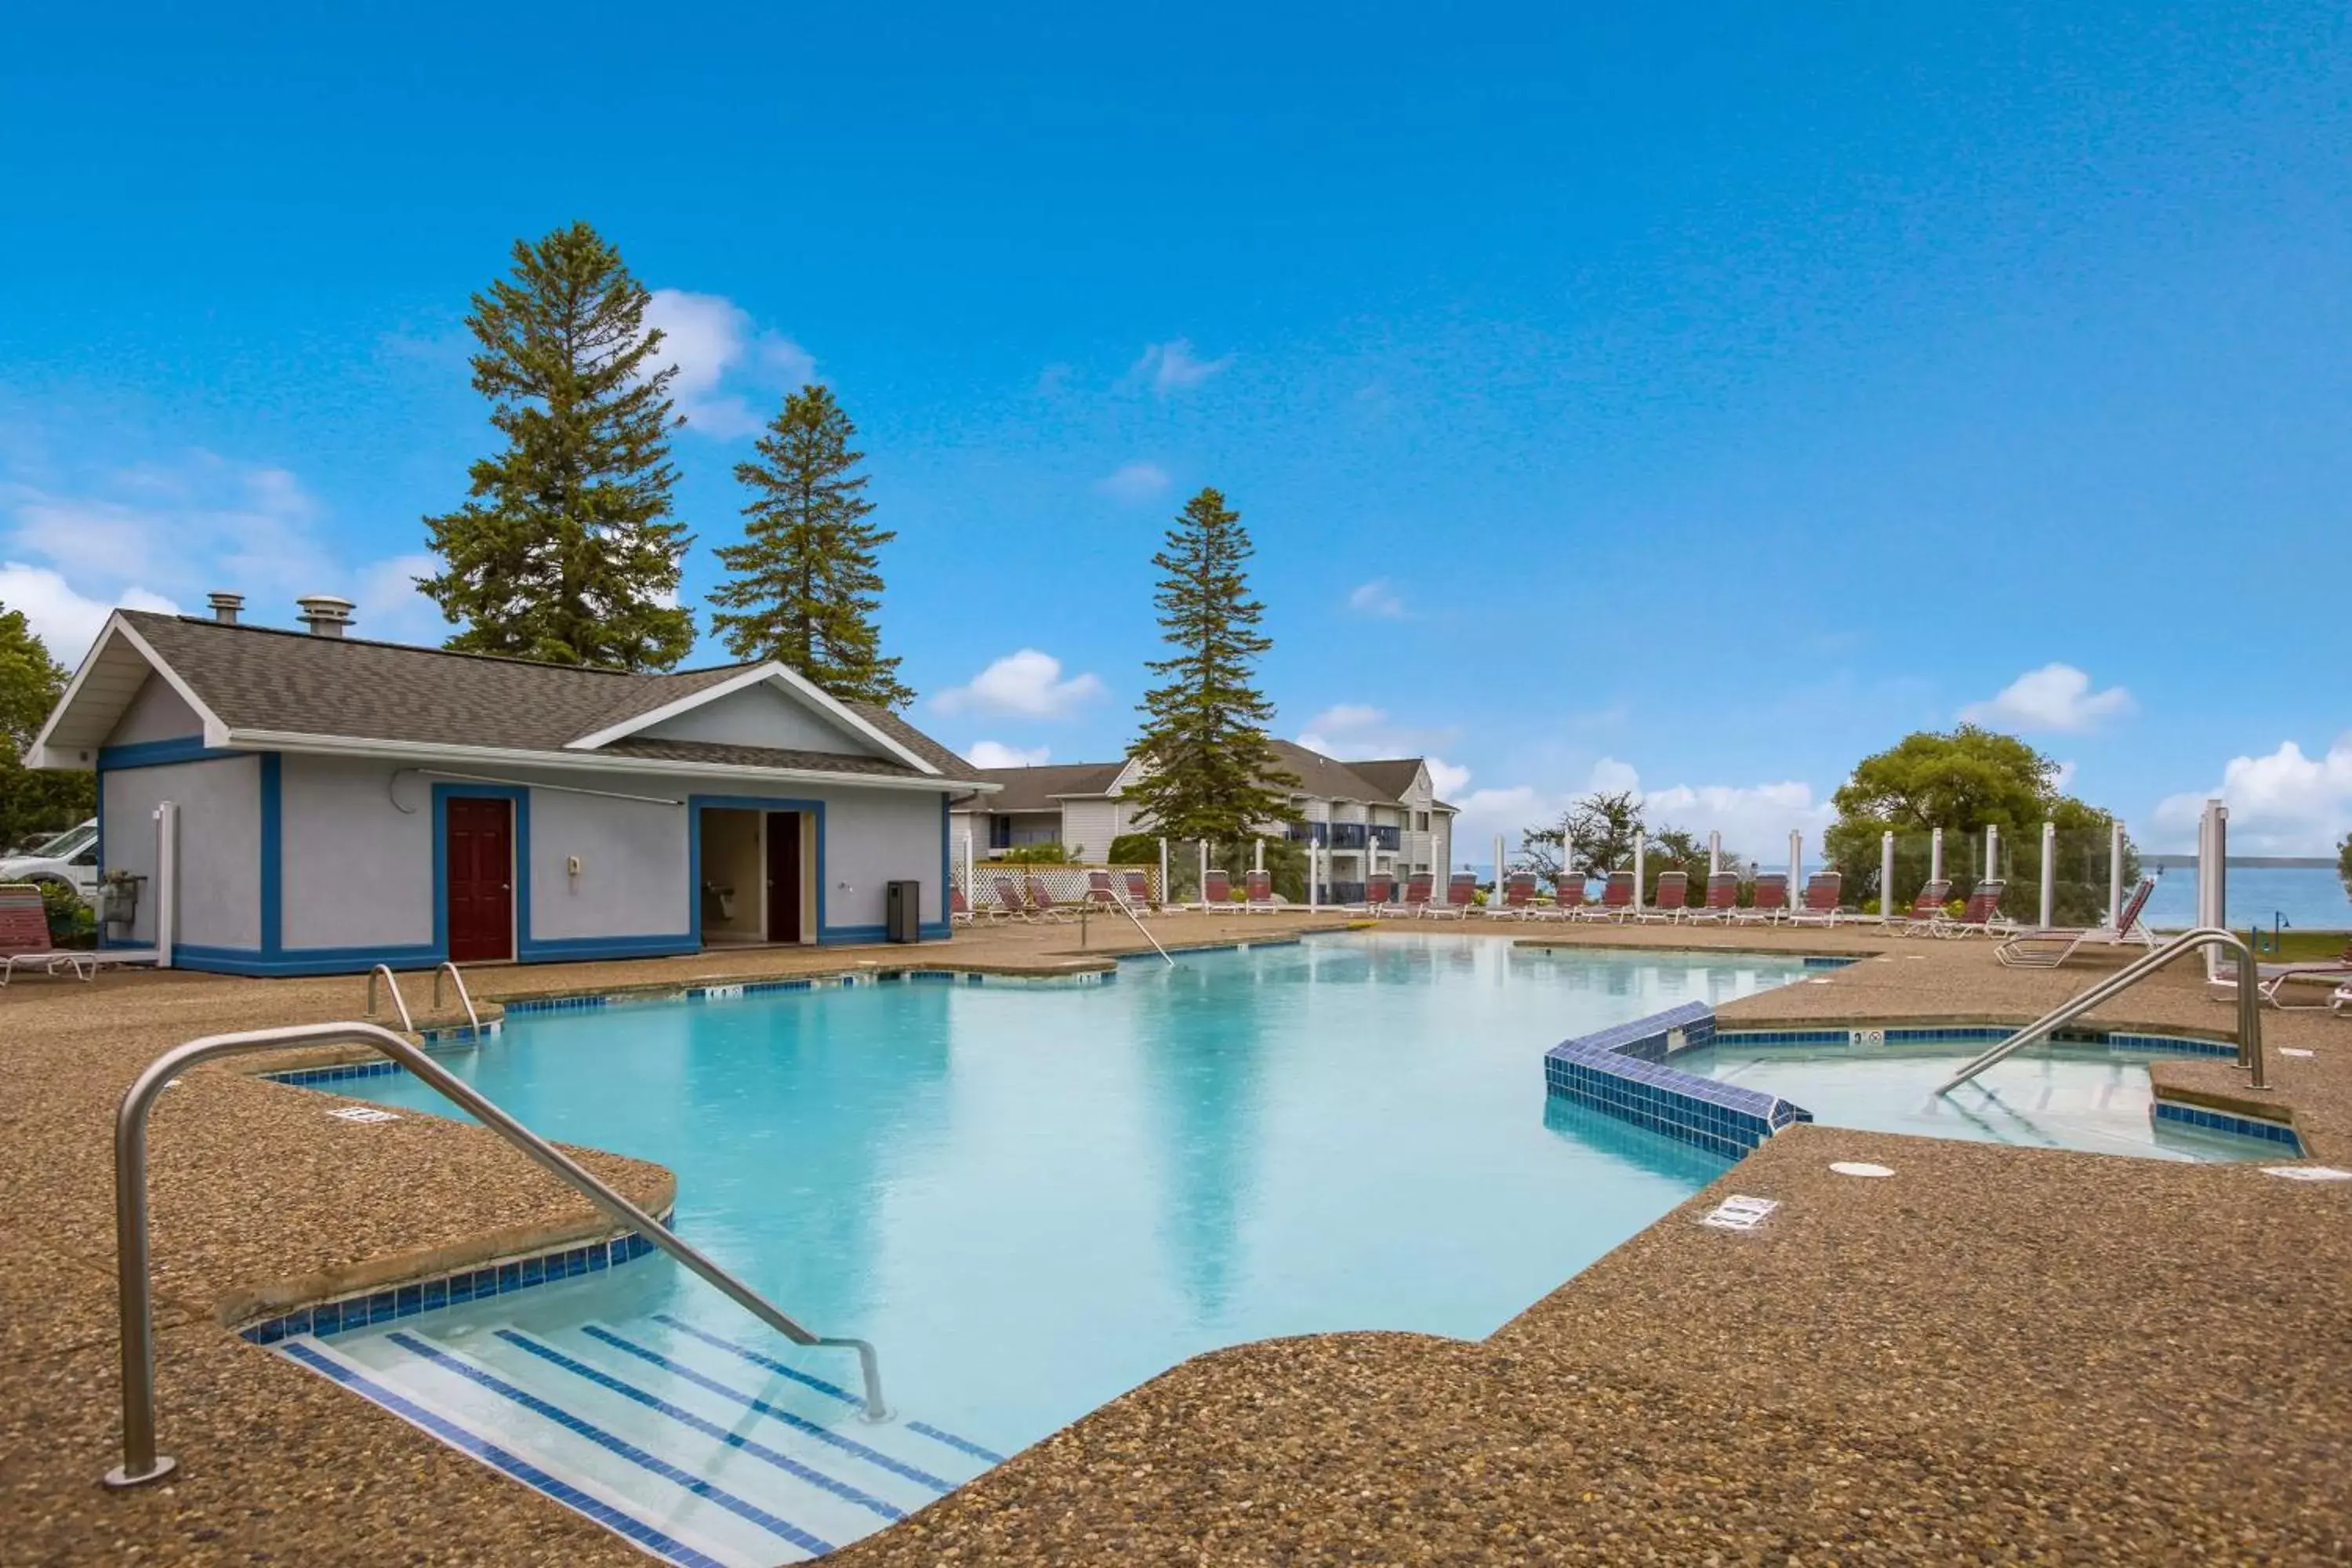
266,681
1391,775
1041,788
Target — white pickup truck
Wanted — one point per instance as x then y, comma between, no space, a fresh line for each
70,858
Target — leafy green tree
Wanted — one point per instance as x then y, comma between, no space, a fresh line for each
2344,864
32,802
1603,827
806,585
1962,782
566,549
1212,772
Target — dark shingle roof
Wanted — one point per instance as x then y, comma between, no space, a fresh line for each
1391,775
1035,789
265,678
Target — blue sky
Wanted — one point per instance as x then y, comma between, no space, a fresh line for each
1696,400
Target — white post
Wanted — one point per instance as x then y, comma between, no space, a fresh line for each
1641,869
2048,875
1566,855
1163,870
1936,856
1715,853
1887,875
971,890
1496,901
2115,871
1204,873
1992,851
167,881
1314,895
1257,853
1796,869
2221,871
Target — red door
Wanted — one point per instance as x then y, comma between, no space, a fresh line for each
480,872
783,876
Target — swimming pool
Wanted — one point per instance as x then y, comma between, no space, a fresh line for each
1031,1198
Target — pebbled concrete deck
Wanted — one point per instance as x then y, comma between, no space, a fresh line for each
1995,1355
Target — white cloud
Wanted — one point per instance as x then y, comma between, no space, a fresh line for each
1351,731
2283,803
160,534
64,620
1754,819
713,343
2057,697
1447,780
996,754
1134,482
1375,598
1171,366
1027,684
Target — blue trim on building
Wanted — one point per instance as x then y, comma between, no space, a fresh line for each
273,851
162,753
697,803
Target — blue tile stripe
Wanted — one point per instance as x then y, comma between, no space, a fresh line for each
710,1491
1978,1034
770,1364
800,1423
2189,1115
491,1454
392,1302
688,1419
1622,1072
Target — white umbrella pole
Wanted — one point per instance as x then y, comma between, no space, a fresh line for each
1796,867
2048,875
1887,875
1641,868
2115,871
1715,853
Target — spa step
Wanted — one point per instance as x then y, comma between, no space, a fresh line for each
699,1450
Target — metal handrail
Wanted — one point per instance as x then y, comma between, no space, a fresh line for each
141,1463
1127,910
391,982
451,970
2250,1005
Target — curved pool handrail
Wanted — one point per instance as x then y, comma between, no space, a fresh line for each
141,1463
2250,1005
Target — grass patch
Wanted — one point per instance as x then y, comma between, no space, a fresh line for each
2299,946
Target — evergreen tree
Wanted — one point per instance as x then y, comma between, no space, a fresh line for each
1212,773
30,684
806,585
566,551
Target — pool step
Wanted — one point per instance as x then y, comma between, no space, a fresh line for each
702,1450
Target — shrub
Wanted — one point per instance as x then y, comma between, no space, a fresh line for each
71,922
1035,855
1138,849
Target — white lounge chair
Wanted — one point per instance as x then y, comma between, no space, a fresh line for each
2047,949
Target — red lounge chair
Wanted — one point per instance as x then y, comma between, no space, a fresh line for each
1098,891
1417,893
1518,897
1258,892
1379,888
958,907
1216,891
1041,901
1461,897
1722,898
1616,898
2048,949
1982,915
1927,909
1139,892
1567,899
1673,897
1010,904
24,935
1821,900
1770,905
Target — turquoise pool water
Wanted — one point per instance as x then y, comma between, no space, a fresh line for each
1032,1199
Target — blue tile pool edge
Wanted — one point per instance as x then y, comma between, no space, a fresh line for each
1623,1073
456,1287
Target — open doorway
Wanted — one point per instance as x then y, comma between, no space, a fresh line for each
757,883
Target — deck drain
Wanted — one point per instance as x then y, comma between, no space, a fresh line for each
363,1113
1736,1213
1859,1168
2291,1051
2308,1172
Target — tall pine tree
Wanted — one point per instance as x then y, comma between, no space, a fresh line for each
567,551
806,586
1212,773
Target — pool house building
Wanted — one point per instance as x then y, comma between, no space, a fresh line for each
281,802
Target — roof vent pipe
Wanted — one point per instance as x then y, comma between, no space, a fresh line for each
325,615
226,607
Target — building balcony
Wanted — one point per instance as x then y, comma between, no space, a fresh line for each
1348,835
1310,832
1387,836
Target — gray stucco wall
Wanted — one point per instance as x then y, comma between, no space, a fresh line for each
358,869
762,716
156,713
220,845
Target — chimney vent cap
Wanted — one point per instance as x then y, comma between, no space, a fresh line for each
226,606
325,613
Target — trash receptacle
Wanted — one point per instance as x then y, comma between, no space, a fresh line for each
902,913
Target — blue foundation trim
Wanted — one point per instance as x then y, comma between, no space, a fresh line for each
162,753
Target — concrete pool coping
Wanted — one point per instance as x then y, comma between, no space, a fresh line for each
248,1186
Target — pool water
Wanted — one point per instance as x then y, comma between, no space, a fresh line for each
2052,1096
1033,1198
